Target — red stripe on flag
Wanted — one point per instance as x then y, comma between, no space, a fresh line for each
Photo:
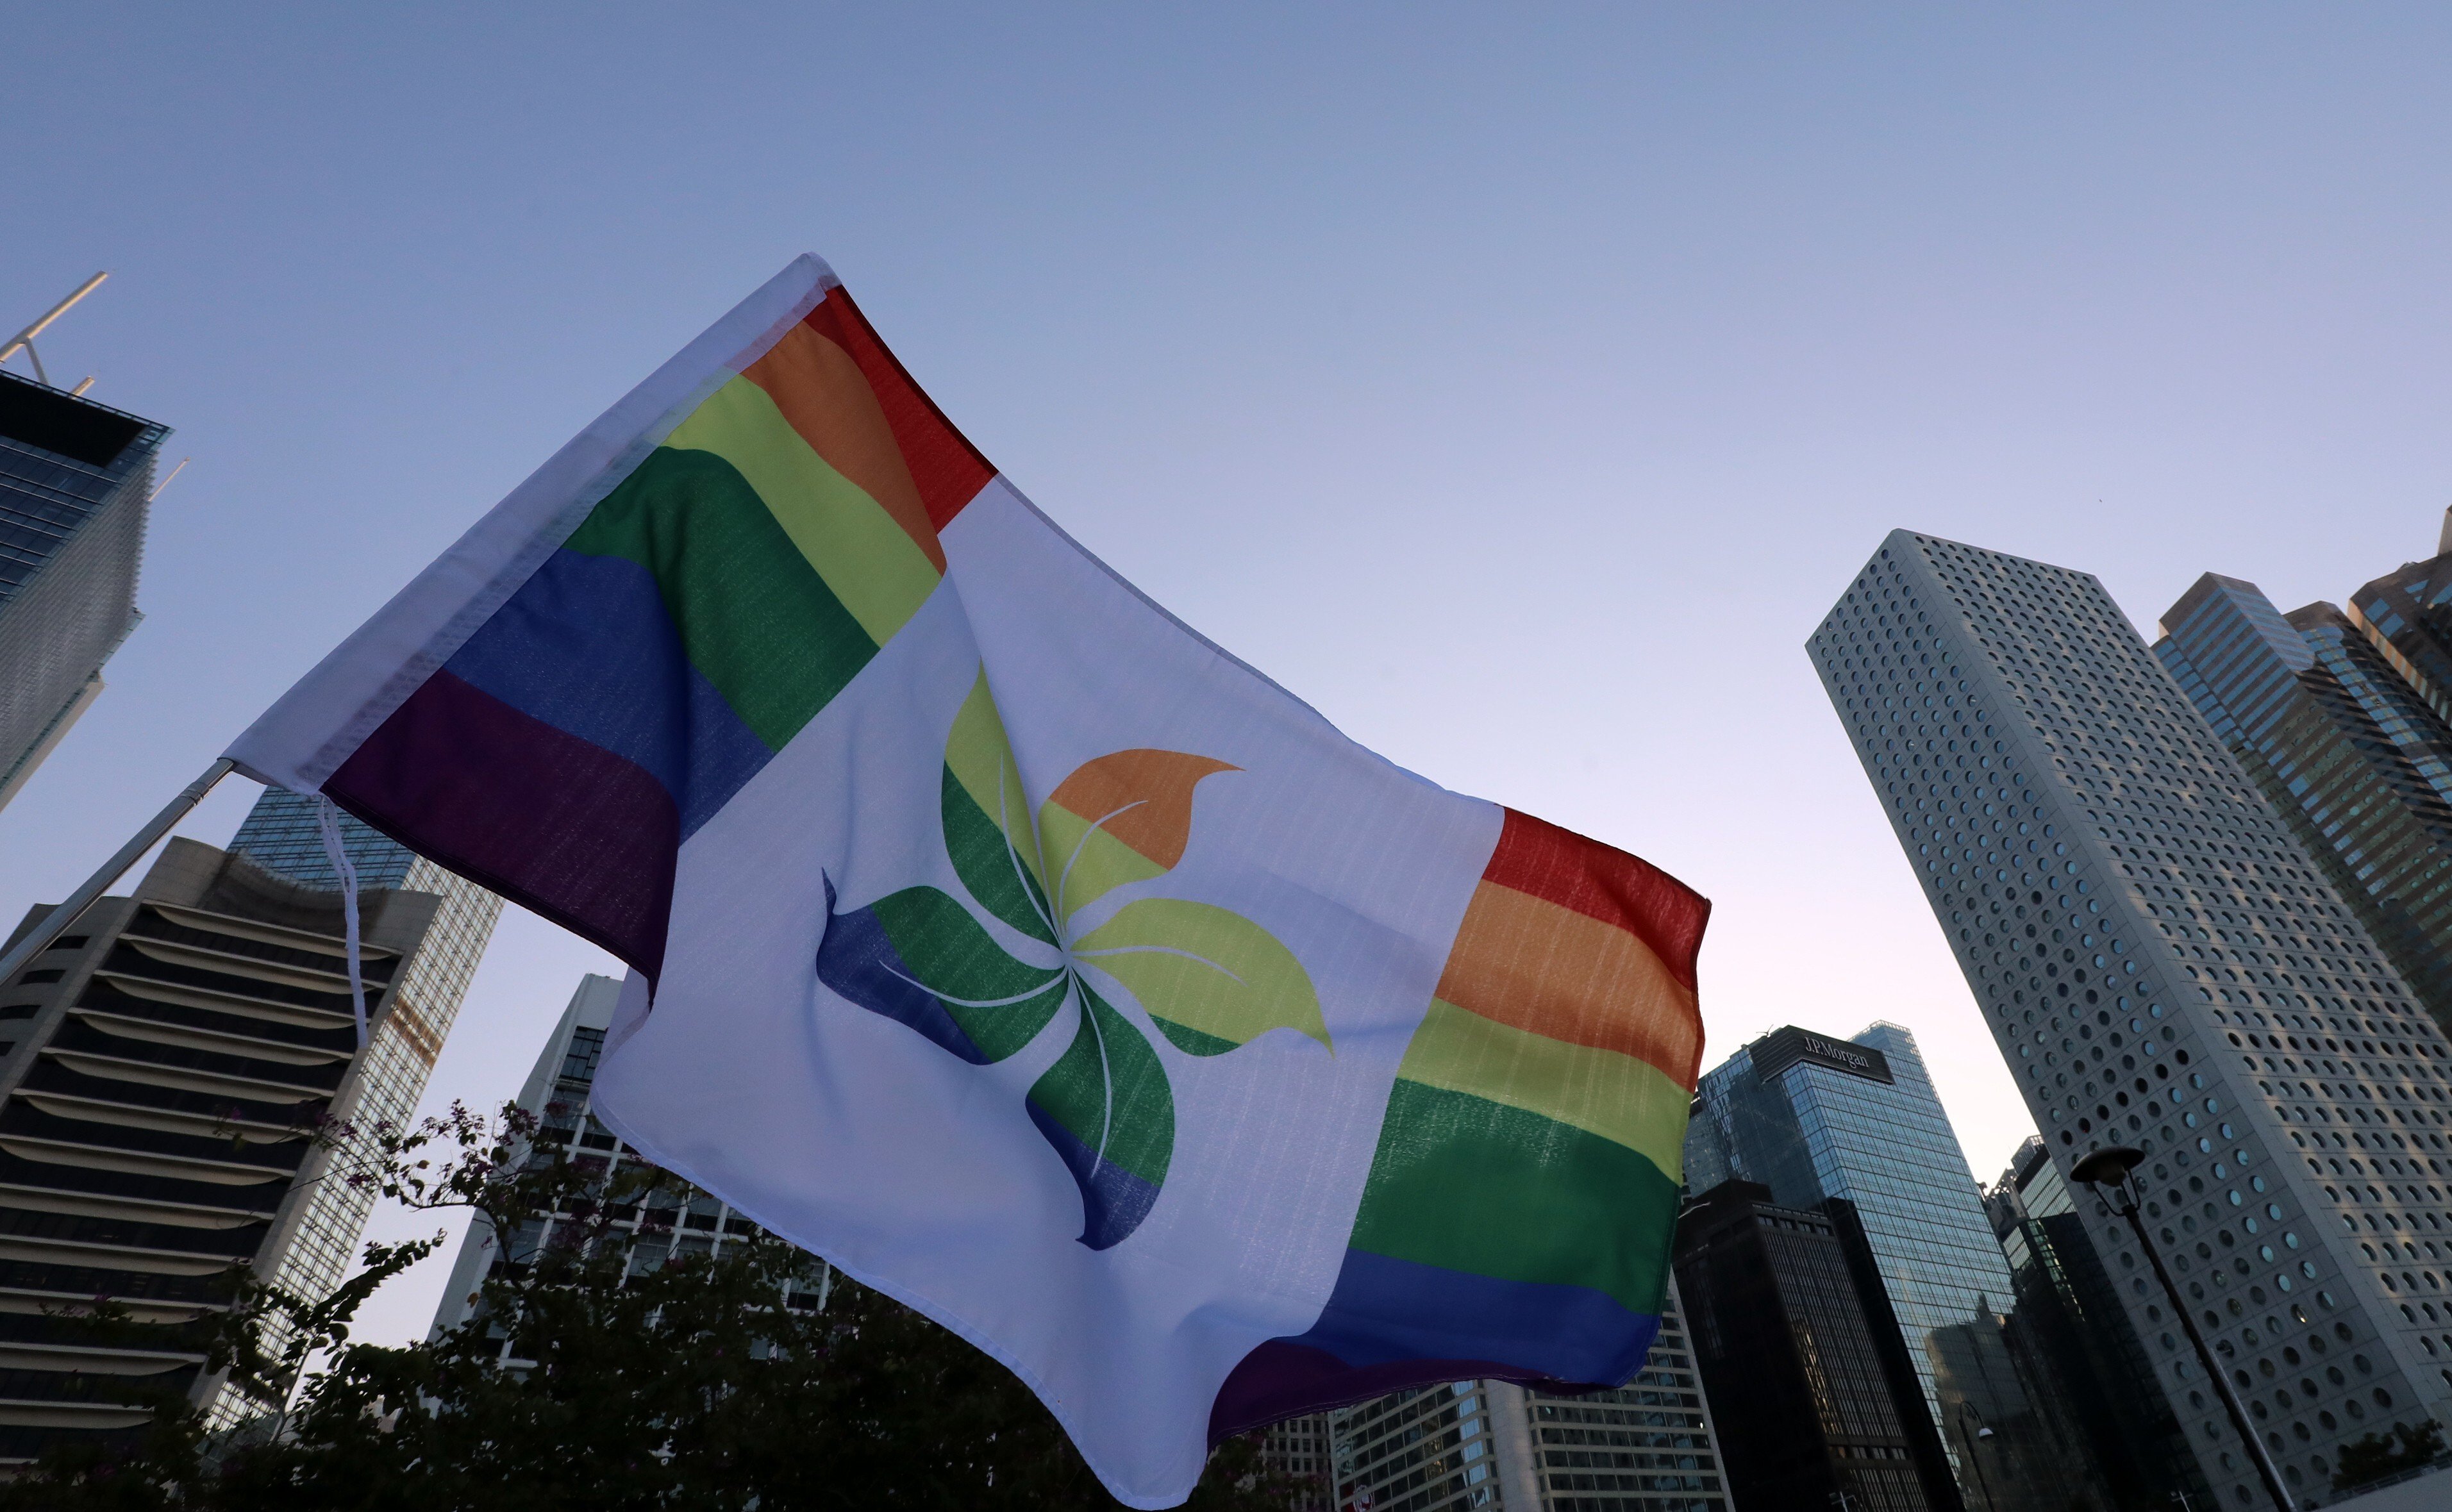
1602,882
948,470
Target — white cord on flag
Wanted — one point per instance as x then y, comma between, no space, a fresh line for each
327,817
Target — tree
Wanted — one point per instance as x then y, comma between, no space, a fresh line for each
2377,1456
595,1373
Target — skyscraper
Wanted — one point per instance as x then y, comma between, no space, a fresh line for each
75,479
1492,1446
1810,1408
1817,1118
1297,1451
282,835
2406,616
170,1059
2073,1341
2345,750
2163,965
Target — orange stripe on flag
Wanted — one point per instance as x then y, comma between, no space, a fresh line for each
1602,882
948,469
824,394
1527,962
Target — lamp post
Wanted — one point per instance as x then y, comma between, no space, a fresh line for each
2112,1172
1966,1414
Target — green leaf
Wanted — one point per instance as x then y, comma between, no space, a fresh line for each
988,832
1000,1003
1106,1106
1209,978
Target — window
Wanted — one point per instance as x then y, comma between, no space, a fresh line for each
586,1048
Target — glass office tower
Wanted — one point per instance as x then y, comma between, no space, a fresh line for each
2163,966
75,479
282,835
672,1222
1812,1405
1817,1117
2345,750
2406,616
2073,1341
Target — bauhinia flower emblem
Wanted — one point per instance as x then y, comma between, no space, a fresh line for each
1208,979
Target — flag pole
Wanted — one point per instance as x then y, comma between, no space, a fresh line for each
78,901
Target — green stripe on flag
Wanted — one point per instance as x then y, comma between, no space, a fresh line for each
754,620
869,562
1477,1187
1600,1091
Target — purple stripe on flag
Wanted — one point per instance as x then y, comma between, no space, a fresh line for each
588,646
1282,1379
556,824
1392,1324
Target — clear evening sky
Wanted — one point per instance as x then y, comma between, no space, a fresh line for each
1518,384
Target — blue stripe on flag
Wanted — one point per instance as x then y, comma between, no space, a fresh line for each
1386,1310
587,645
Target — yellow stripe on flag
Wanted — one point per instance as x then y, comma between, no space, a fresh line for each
868,560
1622,1099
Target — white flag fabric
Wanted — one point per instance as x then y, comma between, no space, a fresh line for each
1005,942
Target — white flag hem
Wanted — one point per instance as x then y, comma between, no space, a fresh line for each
310,729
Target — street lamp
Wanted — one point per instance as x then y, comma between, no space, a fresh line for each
1966,1414
2112,1172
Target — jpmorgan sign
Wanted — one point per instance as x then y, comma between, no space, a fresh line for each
1782,1047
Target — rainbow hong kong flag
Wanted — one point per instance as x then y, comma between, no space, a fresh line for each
999,938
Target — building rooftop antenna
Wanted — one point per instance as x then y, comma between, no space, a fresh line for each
25,338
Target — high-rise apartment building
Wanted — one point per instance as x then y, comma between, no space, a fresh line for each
1812,1408
170,1060
75,480
2343,748
1494,1447
1818,1118
2163,965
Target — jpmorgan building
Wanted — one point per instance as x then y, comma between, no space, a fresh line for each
1816,1116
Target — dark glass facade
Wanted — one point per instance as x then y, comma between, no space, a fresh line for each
1809,1405
2074,1346
2346,751
75,478
1852,1127
284,833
